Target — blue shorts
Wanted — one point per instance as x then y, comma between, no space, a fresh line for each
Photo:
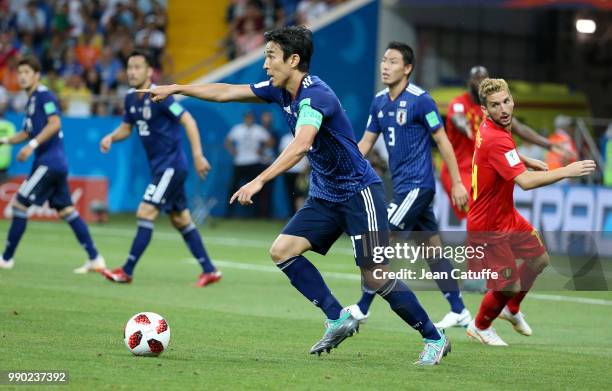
413,211
45,184
167,191
363,217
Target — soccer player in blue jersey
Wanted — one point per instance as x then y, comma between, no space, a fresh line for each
345,193
159,128
407,117
48,180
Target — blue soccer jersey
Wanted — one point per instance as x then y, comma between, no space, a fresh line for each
338,169
407,124
41,105
159,129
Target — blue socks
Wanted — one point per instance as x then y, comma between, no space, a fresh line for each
18,226
367,296
82,233
305,277
405,304
449,286
194,242
140,243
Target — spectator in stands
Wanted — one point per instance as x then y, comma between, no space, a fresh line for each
7,129
249,40
8,75
246,143
87,51
52,53
109,68
151,38
532,150
31,19
7,49
564,136
273,14
76,98
310,10
71,65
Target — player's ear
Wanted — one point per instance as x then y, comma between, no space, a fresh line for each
408,69
294,60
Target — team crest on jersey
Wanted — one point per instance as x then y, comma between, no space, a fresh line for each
146,112
401,116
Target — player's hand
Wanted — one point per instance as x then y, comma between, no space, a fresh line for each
535,164
565,153
106,143
24,153
245,194
459,196
202,166
581,168
159,93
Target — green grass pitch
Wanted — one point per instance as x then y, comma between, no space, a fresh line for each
253,330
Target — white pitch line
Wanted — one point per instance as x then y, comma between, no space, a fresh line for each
356,277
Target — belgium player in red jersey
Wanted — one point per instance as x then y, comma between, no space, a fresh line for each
495,224
463,119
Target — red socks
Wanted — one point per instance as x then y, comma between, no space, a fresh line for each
492,305
528,276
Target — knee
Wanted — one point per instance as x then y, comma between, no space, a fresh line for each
147,212
512,289
279,252
179,222
66,211
540,263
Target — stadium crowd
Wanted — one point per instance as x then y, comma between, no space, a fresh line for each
83,47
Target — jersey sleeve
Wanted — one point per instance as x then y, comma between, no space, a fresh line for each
49,104
373,125
320,100
172,107
505,159
127,117
266,91
428,113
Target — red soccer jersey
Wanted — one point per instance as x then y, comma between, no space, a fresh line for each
462,145
496,163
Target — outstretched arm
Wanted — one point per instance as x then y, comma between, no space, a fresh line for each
367,142
214,92
459,195
533,179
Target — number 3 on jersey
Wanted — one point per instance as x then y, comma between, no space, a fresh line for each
143,128
391,140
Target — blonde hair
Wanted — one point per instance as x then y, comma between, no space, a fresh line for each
489,87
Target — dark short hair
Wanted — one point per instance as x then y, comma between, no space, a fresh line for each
143,54
404,49
293,40
32,62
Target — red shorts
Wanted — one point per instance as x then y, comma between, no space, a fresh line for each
466,179
500,255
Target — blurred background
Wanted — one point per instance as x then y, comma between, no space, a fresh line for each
557,56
